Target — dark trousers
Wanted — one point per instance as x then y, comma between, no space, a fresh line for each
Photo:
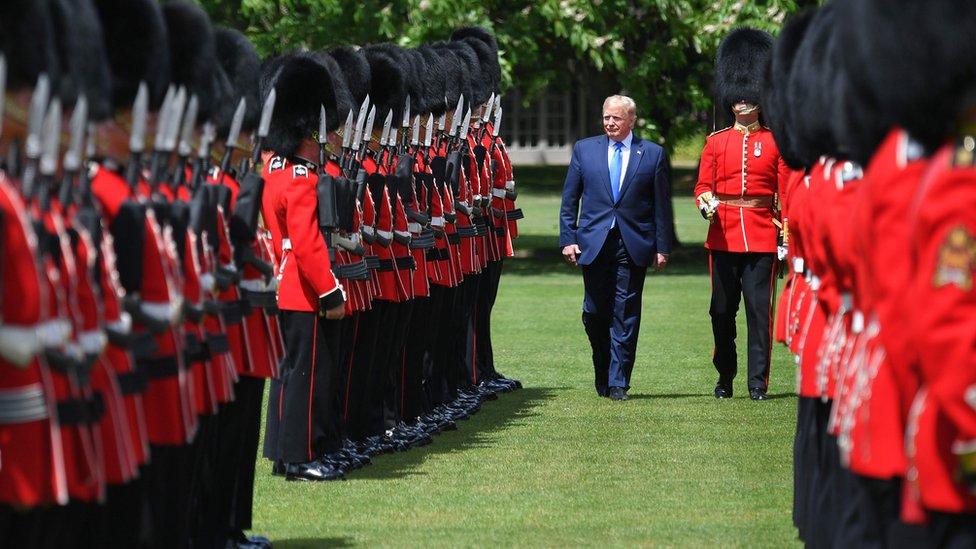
249,396
309,415
481,321
413,400
463,343
749,275
612,286
395,365
359,381
442,385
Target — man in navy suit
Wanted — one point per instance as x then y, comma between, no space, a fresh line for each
623,226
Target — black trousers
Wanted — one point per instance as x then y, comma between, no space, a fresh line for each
309,414
481,321
359,378
396,365
249,397
375,396
419,339
464,335
168,481
749,275
441,387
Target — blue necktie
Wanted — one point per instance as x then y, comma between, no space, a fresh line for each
615,164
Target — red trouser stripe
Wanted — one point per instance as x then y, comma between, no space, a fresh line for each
311,387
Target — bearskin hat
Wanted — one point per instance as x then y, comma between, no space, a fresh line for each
27,41
303,85
137,47
477,86
917,83
811,88
241,64
412,72
193,58
355,69
84,67
337,109
458,78
739,64
486,47
388,84
775,98
441,74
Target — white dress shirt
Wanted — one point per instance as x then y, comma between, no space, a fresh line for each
624,156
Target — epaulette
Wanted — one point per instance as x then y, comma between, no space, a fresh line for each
964,155
720,131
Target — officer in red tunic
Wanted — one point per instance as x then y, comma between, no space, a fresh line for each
740,188
309,296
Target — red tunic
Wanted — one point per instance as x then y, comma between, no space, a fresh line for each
740,163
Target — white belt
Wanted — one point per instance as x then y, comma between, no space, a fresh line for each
386,235
368,230
208,282
258,285
123,325
498,193
92,342
403,234
437,221
414,227
798,265
285,244
510,185
166,311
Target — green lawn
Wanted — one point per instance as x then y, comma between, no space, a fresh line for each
553,465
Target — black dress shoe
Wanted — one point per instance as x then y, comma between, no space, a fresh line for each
312,471
757,394
618,393
278,469
723,392
603,392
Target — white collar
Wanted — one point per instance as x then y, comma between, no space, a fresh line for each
626,141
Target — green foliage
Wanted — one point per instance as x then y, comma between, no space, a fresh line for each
658,51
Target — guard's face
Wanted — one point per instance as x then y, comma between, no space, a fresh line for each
617,122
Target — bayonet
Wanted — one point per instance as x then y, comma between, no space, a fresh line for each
35,120
164,118
51,139
72,157
347,130
406,114
233,134
463,135
175,125
442,121
137,134
264,126
322,136
429,134
370,122
189,123
458,113
415,137
485,116
498,122
360,120
392,141
386,128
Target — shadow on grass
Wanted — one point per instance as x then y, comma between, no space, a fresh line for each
316,543
538,254
510,410
704,395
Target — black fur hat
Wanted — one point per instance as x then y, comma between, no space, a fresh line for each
486,47
419,74
241,64
337,109
138,48
412,73
458,77
441,75
27,41
193,57
775,97
355,69
811,88
478,91
388,84
739,65
82,57
917,83
303,84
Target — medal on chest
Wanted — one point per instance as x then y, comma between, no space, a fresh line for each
757,149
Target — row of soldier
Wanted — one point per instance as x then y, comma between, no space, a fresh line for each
209,221
870,102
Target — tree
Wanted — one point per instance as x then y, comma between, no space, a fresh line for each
658,51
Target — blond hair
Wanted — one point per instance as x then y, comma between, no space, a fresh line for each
622,100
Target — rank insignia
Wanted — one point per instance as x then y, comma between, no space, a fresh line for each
957,259
276,163
300,171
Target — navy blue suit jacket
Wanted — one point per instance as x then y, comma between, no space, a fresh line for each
643,210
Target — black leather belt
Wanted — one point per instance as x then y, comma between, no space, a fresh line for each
217,344
233,312
81,412
385,265
132,383
406,262
261,300
352,271
467,232
453,238
159,367
438,254
515,215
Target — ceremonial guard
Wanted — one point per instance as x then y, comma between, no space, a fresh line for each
740,191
